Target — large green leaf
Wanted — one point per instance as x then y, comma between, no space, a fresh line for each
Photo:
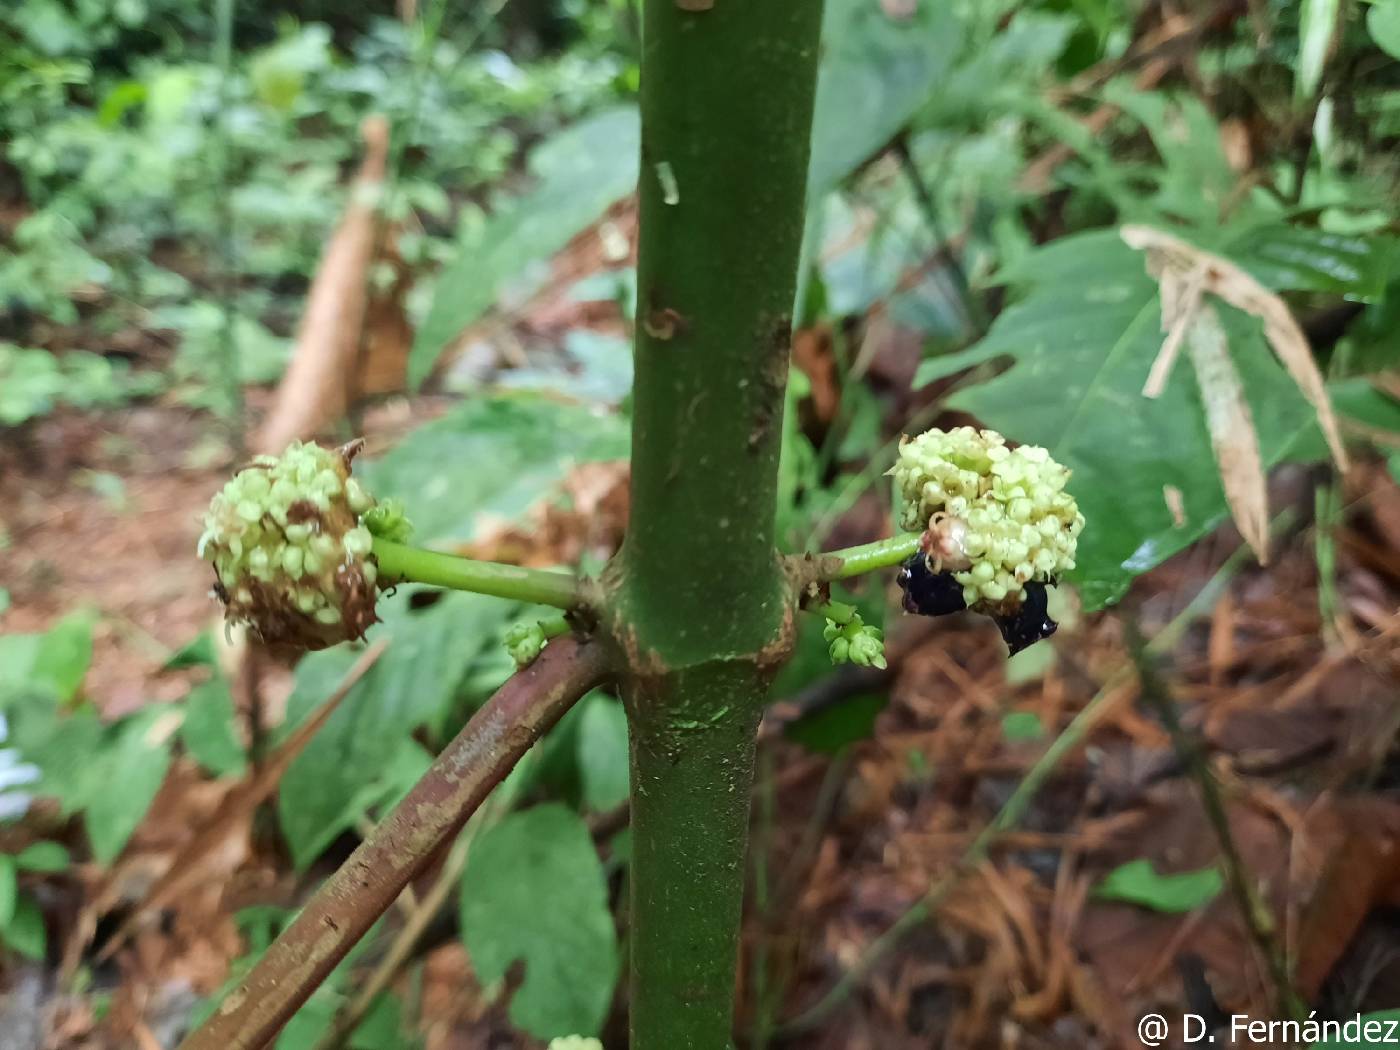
1081,341
578,174
533,889
489,459
1296,258
877,71
350,764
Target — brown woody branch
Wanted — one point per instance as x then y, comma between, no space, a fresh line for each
350,901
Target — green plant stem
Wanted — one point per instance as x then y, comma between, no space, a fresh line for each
838,613
537,586
1015,807
554,626
868,557
701,609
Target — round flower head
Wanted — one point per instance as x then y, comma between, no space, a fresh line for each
995,518
290,543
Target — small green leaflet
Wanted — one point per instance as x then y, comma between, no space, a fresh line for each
1138,882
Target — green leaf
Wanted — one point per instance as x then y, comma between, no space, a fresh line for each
489,459
25,932
1295,258
62,744
382,1028
43,857
343,769
127,772
1195,179
1383,23
208,730
533,889
876,73
830,730
579,174
1081,341
1354,1031
9,889
1360,402
1138,882
1317,21
1019,727
52,664
199,652
602,752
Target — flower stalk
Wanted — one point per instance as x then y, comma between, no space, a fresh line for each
399,562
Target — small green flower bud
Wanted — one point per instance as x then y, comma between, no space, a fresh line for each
850,640
995,517
575,1042
291,545
385,519
525,642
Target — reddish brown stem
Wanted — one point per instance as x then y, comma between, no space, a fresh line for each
401,846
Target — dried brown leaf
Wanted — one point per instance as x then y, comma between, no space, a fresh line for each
1231,426
1170,255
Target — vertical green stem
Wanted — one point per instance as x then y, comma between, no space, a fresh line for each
700,604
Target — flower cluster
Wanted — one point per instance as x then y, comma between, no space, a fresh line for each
850,640
995,517
289,537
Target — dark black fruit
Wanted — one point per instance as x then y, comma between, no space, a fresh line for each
929,593
1030,623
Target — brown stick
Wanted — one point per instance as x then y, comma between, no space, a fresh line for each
349,902
189,867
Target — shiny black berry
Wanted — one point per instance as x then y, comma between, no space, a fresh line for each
1030,623
929,593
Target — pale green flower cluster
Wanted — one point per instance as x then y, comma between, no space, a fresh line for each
997,517
575,1042
291,550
